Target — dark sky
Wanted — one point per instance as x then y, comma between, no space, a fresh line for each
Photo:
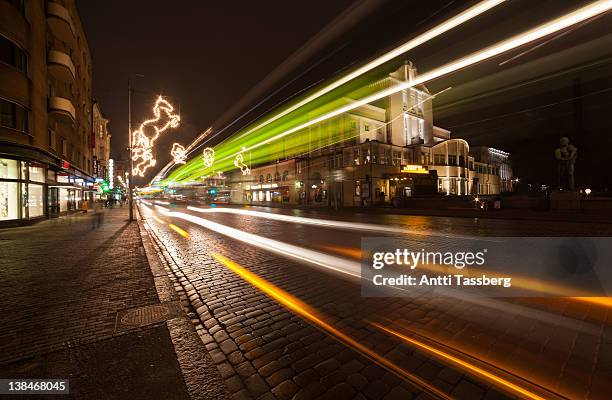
208,55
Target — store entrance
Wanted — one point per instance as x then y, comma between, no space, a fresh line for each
53,202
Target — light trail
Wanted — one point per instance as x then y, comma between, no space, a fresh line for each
329,262
178,230
436,31
539,32
552,290
344,225
482,373
159,220
298,307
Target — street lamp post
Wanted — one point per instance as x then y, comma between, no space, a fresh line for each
131,162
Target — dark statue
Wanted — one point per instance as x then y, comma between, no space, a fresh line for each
566,155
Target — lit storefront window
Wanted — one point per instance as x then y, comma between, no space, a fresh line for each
36,201
9,169
37,174
9,200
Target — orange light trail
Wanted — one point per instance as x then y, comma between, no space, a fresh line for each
302,309
557,291
178,230
498,381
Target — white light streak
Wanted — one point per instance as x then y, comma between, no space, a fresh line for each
337,264
344,225
539,32
455,21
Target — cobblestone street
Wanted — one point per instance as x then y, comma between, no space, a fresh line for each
265,351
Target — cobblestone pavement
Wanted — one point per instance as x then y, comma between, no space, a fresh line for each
264,351
62,283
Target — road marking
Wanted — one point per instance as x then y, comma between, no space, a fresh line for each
178,230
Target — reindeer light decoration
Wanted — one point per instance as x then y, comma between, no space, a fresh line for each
239,163
179,153
145,136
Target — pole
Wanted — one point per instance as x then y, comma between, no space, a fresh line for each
131,162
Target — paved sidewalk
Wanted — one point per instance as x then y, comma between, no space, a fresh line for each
65,284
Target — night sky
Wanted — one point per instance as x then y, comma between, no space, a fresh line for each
207,56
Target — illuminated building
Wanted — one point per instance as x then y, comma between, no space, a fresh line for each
373,154
46,167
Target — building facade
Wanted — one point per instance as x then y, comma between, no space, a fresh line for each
100,139
385,152
46,165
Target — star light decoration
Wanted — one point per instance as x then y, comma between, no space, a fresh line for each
239,163
179,153
145,136
208,157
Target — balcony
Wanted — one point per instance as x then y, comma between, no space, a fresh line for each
62,109
61,66
60,22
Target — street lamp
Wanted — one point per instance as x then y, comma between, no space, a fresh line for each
131,162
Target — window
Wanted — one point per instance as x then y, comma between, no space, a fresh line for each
64,147
277,176
261,178
35,200
269,178
439,159
37,174
12,55
9,200
397,158
13,116
366,127
9,169
452,159
285,176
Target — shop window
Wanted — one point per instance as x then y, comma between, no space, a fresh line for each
9,169
37,174
36,204
13,55
13,116
9,200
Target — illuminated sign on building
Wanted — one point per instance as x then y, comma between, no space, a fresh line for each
111,173
415,169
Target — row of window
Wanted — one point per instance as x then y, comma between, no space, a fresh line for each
277,177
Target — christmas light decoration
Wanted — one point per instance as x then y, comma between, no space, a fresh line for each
145,136
239,163
179,153
208,156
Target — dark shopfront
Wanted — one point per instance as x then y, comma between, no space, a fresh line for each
404,185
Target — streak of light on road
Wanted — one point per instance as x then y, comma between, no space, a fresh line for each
531,284
357,226
178,230
521,39
298,307
329,262
159,220
436,31
482,373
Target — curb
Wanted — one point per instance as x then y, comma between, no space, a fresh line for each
202,378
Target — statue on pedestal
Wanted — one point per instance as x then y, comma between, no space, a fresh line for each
566,155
